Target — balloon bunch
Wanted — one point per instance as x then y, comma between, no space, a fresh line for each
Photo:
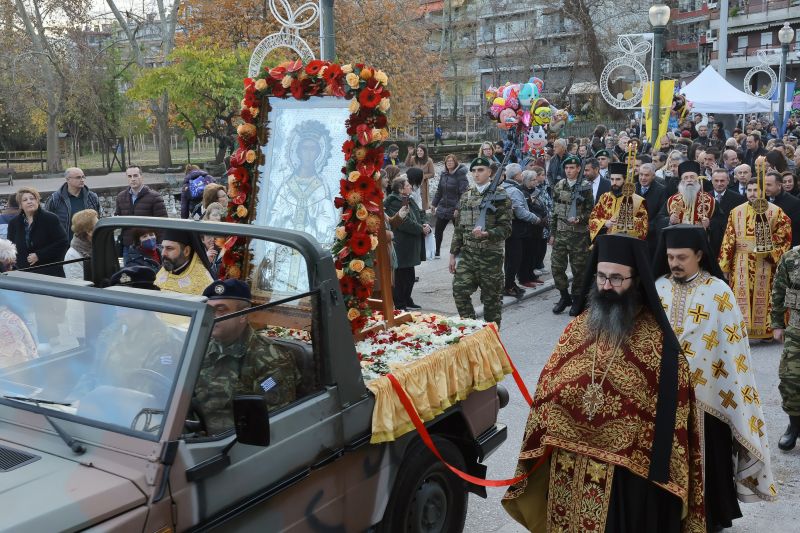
519,105
680,107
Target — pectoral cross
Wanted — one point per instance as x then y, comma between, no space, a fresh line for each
592,400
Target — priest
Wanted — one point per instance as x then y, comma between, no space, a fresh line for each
611,443
184,265
713,336
690,205
757,235
616,212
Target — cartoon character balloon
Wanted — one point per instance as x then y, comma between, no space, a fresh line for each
536,140
558,120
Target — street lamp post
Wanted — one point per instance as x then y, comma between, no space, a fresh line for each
785,36
659,17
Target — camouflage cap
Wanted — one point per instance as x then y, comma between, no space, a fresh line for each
571,160
229,289
480,161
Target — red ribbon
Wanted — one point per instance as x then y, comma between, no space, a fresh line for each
428,441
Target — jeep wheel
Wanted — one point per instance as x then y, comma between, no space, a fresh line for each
427,497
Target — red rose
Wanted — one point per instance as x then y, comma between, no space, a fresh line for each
360,243
246,115
346,284
314,67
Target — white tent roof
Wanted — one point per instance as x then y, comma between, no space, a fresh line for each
711,93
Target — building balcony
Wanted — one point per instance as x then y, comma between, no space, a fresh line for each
747,58
759,12
684,42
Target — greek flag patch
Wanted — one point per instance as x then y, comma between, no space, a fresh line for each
268,384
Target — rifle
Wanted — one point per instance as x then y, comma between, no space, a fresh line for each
488,198
573,207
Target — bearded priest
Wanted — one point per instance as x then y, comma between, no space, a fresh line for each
690,205
609,213
756,237
611,442
713,336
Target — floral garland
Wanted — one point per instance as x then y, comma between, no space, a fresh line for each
360,193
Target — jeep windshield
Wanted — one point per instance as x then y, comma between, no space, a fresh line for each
107,364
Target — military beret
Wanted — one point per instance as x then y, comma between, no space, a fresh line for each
603,153
229,289
480,161
571,160
139,277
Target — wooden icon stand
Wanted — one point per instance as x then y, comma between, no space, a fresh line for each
382,299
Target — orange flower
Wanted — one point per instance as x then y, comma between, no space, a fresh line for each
362,213
250,156
341,233
233,272
246,130
241,211
353,176
339,273
366,73
384,105
353,313
367,277
354,198
361,153
374,241
261,84
356,265
354,106
373,223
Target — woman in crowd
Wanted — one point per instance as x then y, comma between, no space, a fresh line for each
414,177
541,203
215,212
776,161
789,181
598,141
392,171
213,249
409,237
38,235
8,255
487,151
144,251
83,223
419,159
212,193
453,183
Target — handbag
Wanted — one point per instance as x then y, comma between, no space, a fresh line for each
430,246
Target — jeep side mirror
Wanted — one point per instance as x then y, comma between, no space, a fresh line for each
251,418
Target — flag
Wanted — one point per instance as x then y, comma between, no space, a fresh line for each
665,105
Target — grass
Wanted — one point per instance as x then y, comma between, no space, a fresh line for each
148,157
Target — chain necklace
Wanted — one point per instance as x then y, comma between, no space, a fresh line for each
593,397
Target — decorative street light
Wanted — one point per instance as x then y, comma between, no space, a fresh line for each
659,17
785,36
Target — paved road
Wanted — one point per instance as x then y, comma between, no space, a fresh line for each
530,331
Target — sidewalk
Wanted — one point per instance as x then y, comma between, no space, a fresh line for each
434,290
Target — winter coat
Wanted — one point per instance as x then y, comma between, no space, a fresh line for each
428,171
48,241
148,204
451,187
59,205
187,204
408,237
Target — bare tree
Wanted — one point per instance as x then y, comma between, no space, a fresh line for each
167,22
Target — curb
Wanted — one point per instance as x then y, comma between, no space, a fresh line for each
508,301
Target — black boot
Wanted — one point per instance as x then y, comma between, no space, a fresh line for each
789,438
577,306
563,303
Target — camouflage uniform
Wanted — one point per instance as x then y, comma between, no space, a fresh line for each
481,259
786,296
570,241
252,365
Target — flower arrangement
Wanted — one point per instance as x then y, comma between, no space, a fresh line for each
360,193
381,350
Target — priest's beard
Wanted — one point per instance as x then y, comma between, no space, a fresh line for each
689,192
611,314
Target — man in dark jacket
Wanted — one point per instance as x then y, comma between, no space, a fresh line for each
521,225
654,195
754,151
73,196
773,187
554,171
137,200
726,199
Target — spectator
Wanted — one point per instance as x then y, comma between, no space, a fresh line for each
487,151
72,197
137,200
213,193
754,151
192,191
742,175
419,159
541,204
414,177
773,188
215,212
38,235
213,254
8,255
80,247
11,210
453,183
521,224
791,158
437,135
392,171
598,138
145,250
554,171
790,184
408,241
392,156
776,161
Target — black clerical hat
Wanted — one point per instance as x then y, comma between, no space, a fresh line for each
689,166
685,236
618,168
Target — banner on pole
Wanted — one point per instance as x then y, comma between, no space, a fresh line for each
664,104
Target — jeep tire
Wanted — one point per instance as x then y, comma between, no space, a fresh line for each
427,497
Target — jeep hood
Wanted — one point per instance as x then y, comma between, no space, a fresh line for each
54,494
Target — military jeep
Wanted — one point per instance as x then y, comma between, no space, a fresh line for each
100,431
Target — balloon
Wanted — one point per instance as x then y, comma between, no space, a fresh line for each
541,115
526,118
491,93
508,116
511,91
539,83
499,101
495,110
512,103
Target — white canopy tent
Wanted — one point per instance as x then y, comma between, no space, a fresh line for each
711,93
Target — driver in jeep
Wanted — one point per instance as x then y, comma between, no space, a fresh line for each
240,360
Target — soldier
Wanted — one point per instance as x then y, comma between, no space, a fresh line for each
786,296
240,360
480,264
573,204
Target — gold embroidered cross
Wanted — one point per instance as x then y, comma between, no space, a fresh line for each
697,377
686,347
741,367
727,399
723,302
697,314
755,426
733,333
711,340
718,369
596,471
748,394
